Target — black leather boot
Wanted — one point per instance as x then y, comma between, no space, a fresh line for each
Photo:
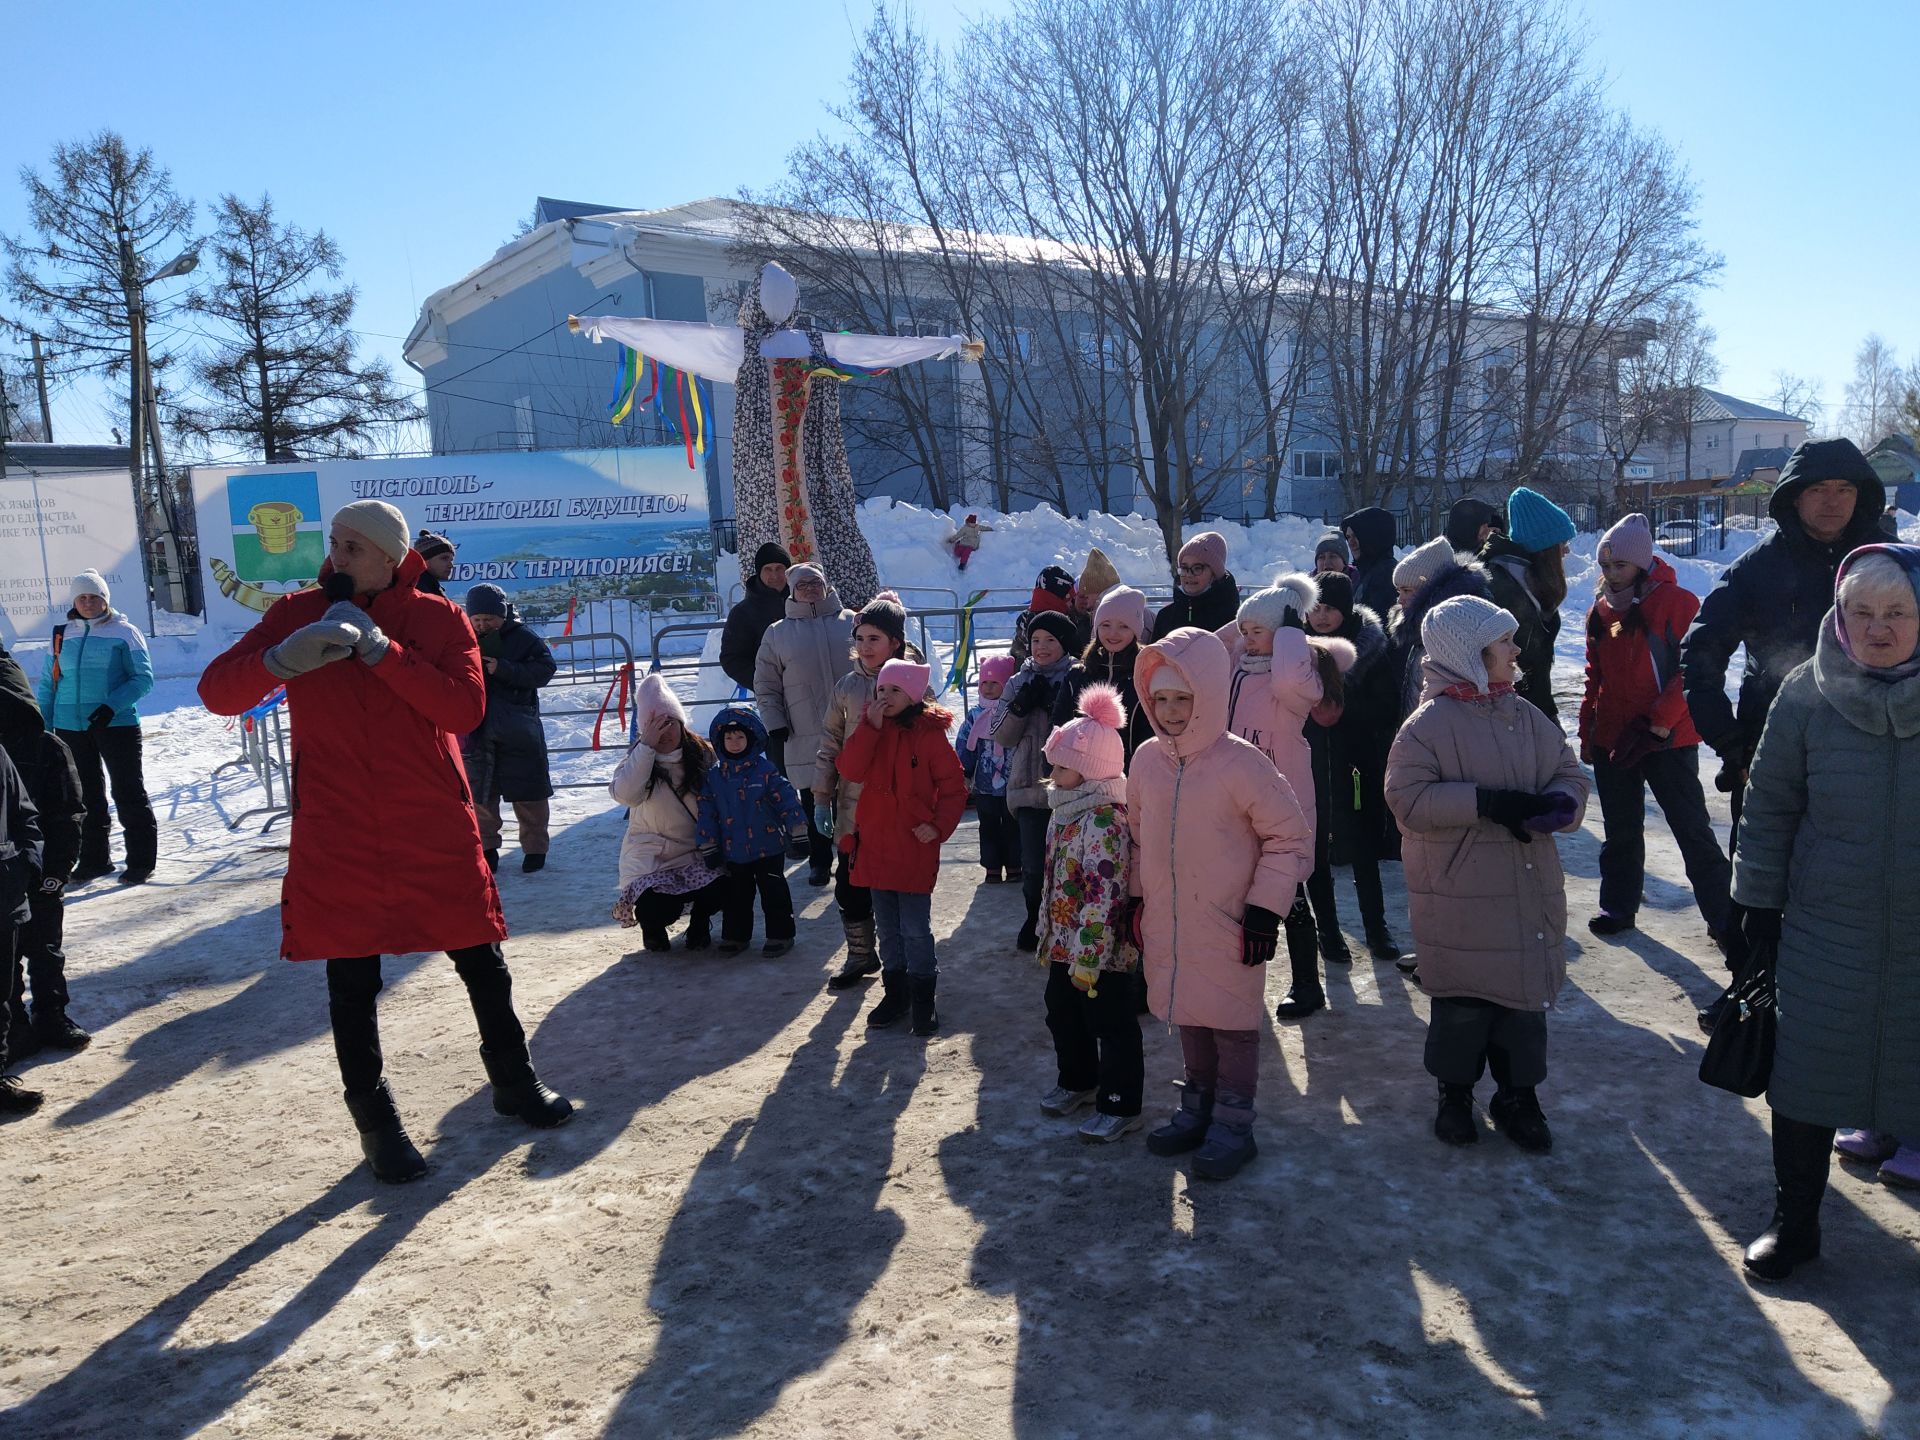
894,1004
920,988
1801,1155
383,1139
1455,1123
518,1091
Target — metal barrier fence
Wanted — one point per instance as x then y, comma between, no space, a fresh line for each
606,670
263,750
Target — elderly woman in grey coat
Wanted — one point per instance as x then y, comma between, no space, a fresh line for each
1827,839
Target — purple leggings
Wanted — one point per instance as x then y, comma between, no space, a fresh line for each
1219,1060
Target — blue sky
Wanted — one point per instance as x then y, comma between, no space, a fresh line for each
418,134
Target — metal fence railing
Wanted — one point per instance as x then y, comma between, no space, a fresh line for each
597,663
263,751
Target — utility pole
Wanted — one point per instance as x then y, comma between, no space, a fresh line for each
40,384
136,439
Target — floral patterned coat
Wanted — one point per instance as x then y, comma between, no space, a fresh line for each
1089,857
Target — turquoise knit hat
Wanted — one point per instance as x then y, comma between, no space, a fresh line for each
1535,522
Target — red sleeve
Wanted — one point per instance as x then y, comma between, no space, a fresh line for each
1591,698
440,675
856,756
949,787
237,681
1678,607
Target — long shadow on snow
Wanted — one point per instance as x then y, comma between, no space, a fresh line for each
779,1237
140,1382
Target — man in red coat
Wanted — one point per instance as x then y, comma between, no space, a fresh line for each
385,855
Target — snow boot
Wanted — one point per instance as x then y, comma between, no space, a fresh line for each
1304,996
1333,949
863,955
654,938
1516,1113
820,876
699,934
1609,924
16,1098
492,859
730,947
1187,1129
383,1139
774,949
1902,1169
1229,1141
532,864
994,876
136,874
1028,940
894,1003
1455,1123
57,1032
920,989
86,874
518,1091
1869,1147
1380,944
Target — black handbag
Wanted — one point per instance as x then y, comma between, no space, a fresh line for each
1739,1054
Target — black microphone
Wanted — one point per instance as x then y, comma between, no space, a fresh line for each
337,587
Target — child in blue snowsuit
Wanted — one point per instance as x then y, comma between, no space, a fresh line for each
750,819
985,762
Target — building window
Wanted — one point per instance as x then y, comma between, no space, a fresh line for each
1316,465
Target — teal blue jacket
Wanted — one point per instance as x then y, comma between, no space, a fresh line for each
101,662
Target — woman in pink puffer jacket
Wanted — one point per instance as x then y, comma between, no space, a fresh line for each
1480,780
1221,849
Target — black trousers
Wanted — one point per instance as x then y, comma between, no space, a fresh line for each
118,748
1466,1036
39,957
1096,1039
855,901
1033,853
1674,778
354,984
999,833
656,911
819,847
9,981
767,876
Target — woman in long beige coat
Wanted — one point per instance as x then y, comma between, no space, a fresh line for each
1479,781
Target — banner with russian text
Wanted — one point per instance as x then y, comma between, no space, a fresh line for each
547,527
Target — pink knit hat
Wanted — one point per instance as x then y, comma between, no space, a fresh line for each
998,669
1630,540
1125,604
907,675
1208,548
1090,743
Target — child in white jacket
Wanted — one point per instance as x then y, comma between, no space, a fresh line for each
662,872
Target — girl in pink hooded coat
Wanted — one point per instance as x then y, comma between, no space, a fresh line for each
1221,848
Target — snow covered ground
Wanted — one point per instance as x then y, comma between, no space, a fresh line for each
763,1222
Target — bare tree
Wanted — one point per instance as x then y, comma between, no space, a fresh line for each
69,278
281,376
1799,396
1655,385
1873,395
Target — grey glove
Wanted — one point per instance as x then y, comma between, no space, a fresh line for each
372,644
310,647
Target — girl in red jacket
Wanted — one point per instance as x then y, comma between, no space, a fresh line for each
911,797
1635,731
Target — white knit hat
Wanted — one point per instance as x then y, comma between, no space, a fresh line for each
381,523
1457,630
1423,564
651,697
1268,608
91,582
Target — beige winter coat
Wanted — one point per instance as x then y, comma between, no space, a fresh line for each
799,661
1488,912
845,705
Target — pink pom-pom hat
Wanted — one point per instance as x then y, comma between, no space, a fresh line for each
1091,743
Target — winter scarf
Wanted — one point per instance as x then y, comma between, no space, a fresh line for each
1088,795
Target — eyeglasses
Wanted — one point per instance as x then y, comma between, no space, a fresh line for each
1195,569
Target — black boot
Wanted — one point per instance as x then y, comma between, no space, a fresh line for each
1801,1155
1516,1112
383,1139
654,938
492,859
1187,1130
920,988
863,955
1304,996
518,1091
1381,943
22,1039
16,1098
532,864
55,1030
893,1003
1455,1124
1028,940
